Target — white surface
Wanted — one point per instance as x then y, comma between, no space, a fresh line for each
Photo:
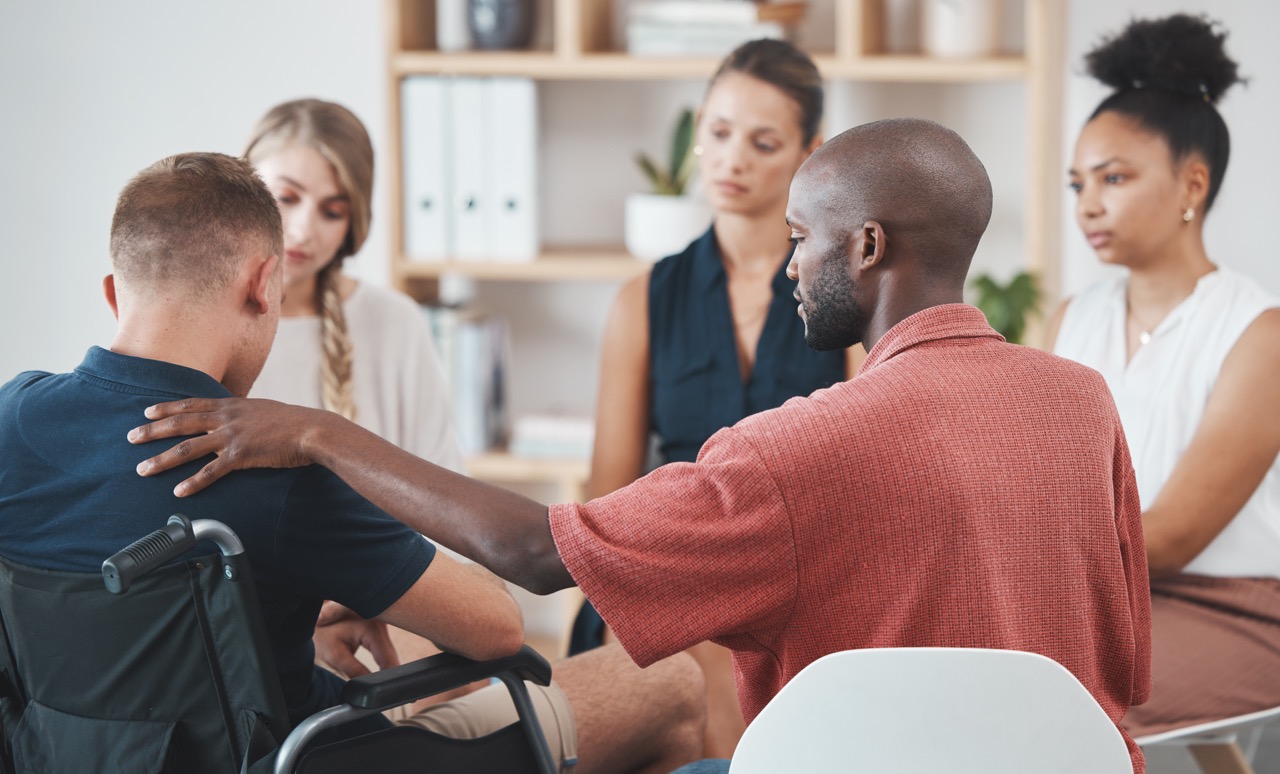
960,29
427,171
917,710
511,170
658,226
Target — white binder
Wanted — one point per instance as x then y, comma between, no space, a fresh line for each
470,207
511,129
423,109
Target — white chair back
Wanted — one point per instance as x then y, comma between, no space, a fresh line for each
929,710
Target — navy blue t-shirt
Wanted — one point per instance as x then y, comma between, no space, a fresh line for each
69,498
695,380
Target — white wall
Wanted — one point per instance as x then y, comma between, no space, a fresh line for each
92,92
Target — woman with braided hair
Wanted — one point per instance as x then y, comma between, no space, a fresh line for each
361,351
1190,350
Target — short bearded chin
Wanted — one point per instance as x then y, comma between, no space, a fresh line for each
833,319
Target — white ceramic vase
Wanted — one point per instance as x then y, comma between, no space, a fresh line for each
657,226
955,29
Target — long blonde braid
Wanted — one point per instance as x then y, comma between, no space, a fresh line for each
339,136
336,387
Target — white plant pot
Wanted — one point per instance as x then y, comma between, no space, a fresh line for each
657,226
960,28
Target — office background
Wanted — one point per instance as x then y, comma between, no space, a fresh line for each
93,92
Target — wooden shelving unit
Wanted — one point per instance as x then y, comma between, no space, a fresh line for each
581,51
573,264
568,475
621,67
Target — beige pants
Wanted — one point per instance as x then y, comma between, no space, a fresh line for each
489,709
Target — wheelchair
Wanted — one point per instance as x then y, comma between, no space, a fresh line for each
160,666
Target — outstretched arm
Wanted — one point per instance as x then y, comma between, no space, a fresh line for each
504,531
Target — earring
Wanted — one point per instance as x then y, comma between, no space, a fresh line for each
697,150
1188,215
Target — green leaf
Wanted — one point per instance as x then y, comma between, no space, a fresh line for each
1007,307
657,179
672,181
681,151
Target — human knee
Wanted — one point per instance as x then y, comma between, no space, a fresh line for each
688,686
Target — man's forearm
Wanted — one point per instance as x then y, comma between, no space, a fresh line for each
506,532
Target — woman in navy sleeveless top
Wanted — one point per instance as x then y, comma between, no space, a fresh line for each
696,382
711,335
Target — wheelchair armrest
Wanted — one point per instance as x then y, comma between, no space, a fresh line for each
435,674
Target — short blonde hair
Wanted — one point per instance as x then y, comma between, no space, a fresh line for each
186,223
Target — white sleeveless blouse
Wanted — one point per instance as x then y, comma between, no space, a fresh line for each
1162,392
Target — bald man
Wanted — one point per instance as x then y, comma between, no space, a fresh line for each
959,491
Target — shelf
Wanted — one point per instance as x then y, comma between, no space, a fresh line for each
568,475
559,265
544,65
923,69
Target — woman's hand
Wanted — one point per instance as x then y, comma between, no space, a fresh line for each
240,432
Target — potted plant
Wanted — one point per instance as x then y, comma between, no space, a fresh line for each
665,220
1008,306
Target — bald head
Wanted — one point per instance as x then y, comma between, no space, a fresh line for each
917,178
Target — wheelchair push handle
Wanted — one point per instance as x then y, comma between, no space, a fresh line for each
174,539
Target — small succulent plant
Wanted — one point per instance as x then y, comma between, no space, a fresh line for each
672,180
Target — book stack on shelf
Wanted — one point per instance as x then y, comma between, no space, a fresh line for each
706,27
474,352
552,436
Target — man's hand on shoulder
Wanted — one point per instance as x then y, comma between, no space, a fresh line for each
241,432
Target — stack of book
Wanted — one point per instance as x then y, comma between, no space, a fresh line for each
548,435
474,353
706,27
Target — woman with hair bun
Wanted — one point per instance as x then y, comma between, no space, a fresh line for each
1190,350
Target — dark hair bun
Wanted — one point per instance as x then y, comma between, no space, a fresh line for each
1178,53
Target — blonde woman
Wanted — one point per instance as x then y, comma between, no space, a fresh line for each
356,349
360,350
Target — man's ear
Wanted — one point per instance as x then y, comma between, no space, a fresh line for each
261,285
109,290
868,245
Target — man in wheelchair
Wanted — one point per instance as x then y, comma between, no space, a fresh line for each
196,289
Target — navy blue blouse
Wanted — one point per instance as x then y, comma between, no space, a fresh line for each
695,382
